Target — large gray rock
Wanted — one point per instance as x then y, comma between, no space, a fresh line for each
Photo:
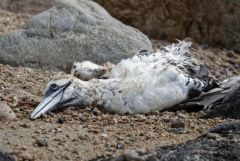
213,21
72,30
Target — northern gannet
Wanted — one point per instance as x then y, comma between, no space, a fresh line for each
141,84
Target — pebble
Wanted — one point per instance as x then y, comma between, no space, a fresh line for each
27,157
152,117
177,131
120,146
155,112
6,113
182,115
88,110
83,118
23,148
141,117
115,121
75,113
93,130
84,137
131,155
25,125
124,117
66,157
38,131
42,142
177,123
212,136
96,112
60,120
103,135
58,129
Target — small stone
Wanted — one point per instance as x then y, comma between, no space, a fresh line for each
27,157
6,113
60,120
125,118
66,157
182,115
42,142
23,148
141,117
75,151
83,137
67,135
94,130
212,136
120,138
152,117
83,118
177,131
177,123
88,110
115,121
25,125
155,112
120,146
38,131
131,155
104,135
58,130
96,112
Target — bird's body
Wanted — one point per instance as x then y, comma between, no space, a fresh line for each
139,94
141,84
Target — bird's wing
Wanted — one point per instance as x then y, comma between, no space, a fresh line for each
226,95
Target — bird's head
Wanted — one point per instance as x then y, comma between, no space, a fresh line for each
62,93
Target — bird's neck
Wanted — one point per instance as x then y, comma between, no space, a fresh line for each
98,90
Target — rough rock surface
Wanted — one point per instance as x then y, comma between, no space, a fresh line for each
4,156
221,143
215,22
224,128
26,6
72,30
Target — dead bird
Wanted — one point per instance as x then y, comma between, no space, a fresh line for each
141,84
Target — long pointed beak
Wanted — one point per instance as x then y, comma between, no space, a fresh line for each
47,104
50,101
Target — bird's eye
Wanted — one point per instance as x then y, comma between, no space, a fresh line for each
53,87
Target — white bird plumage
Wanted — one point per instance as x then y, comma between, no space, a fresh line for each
141,84
87,70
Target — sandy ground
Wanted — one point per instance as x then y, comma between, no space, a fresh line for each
82,134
